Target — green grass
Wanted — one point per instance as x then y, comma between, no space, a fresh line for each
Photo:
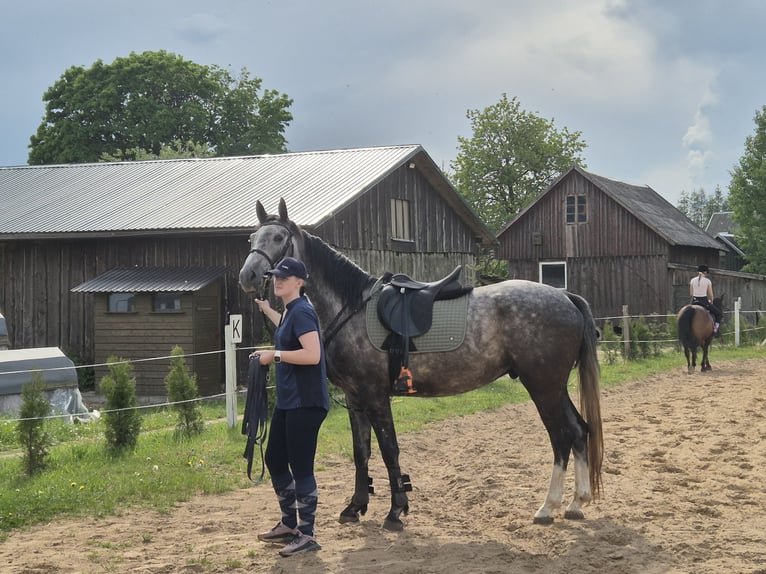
83,480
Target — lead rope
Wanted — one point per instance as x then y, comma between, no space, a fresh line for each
256,414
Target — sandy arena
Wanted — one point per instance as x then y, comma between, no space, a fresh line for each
683,493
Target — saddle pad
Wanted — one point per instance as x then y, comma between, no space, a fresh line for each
447,331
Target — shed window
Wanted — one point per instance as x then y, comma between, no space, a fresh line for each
122,303
576,209
554,273
166,302
400,220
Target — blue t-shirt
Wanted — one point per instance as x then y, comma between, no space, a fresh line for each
300,385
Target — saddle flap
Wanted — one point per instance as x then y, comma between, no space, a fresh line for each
404,313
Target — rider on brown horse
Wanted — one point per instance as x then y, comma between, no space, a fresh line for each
701,291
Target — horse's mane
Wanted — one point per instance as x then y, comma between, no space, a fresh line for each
345,277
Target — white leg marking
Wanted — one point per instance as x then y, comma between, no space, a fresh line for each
582,494
555,495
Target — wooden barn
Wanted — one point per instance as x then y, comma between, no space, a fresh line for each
61,226
617,244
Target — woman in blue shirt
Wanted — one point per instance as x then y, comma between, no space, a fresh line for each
301,407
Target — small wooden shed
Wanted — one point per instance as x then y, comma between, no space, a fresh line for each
143,312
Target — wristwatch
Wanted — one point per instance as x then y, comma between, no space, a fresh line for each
277,356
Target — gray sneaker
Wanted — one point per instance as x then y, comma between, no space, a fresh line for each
280,534
301,543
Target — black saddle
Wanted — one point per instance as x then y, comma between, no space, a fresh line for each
405,306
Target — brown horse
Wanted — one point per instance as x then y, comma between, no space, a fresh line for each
695,329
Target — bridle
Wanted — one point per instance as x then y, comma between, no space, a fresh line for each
287,248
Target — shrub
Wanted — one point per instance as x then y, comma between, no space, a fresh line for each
33,437
86,376
121,419
612,344
182,390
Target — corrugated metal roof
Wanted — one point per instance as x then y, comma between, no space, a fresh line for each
151,280
203,193
721,222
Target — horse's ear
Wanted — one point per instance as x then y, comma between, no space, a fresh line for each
283,210
262,215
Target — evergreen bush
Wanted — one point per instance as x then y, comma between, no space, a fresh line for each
31,432
121,419
183,391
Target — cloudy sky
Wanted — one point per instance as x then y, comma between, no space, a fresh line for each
664,92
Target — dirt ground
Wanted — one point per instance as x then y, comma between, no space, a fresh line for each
683,492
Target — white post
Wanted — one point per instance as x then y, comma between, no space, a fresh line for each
231,378
233,335
737,307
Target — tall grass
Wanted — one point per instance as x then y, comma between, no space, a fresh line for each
82,480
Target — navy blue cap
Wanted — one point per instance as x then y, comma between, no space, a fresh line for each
289,267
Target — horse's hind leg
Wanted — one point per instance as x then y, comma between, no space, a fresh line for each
705,365
567,432
582,494
361,434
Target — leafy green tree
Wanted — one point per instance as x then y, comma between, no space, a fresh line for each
175,150
30,429
149,101
182,390
747,196
699,207
121,418
512,157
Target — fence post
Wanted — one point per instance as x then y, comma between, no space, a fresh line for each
626,330
233,335
737,307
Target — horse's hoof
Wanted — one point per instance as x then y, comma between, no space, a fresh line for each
348,518
393,525
574,515
351,513
543,520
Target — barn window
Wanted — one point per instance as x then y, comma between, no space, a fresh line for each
554,273
576,209
122,303
400,220
166,302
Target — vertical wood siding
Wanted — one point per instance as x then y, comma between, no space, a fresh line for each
612,260
37,276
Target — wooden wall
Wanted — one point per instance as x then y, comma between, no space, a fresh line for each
612,260
366,224
37,277
144,334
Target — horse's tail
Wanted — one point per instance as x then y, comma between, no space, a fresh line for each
590,401
685,334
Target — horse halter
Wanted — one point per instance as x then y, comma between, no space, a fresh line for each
287,248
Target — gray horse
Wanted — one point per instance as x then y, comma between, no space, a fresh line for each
518,328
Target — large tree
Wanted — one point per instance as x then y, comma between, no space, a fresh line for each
150,100
747,196
512,157
699,207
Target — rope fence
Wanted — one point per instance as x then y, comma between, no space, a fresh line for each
624,319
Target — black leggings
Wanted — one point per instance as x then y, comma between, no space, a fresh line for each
703,302
292,441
